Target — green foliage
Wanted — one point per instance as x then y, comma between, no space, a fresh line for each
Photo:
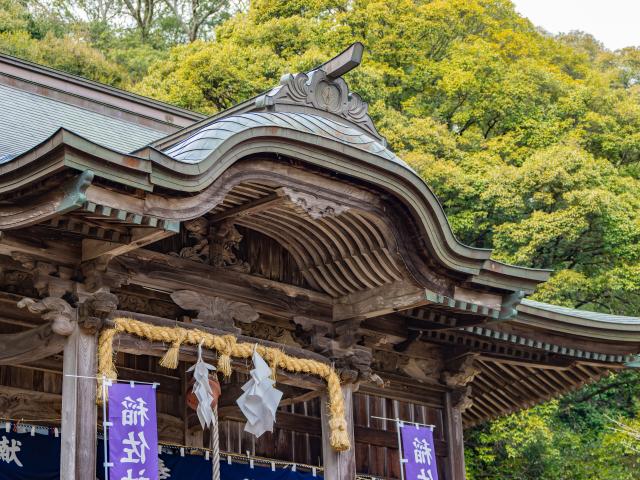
531,142
32,37
201,76
577,437
69,54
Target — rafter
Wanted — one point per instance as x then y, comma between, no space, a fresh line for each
250,208
140,237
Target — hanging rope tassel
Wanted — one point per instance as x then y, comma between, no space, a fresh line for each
337,424
224,360
106,360
274,357
170,359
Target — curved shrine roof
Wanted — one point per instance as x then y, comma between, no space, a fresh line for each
315,109
204,141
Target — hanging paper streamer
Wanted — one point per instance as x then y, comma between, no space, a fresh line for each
133,433
260,399
202,389
419,452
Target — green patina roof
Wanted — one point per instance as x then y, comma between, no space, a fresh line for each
28,119
582,314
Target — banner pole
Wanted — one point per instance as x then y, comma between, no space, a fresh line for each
105,423
400,454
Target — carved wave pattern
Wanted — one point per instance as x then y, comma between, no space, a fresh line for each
207,139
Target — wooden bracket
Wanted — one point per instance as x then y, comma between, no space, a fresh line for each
94,308
461,371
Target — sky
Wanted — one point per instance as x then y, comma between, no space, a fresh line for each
616,23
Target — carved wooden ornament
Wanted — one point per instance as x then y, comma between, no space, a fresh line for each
215,311
59,312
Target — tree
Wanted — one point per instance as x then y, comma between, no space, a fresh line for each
143,12
195,16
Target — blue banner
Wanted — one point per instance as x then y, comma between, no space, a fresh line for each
37,457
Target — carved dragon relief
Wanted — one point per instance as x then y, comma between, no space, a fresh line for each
225,241
216,245
198,229
319,91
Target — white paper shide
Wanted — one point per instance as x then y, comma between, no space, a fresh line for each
260,399
202,389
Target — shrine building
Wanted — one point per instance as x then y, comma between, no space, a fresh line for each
284,222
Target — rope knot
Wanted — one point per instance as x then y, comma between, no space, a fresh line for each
170,359
276,358
224,360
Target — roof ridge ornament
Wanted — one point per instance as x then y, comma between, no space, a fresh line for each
323,91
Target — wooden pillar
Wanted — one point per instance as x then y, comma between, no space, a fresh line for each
455,440
79,411
338,465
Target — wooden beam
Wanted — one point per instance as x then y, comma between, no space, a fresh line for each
166,383
29,404
344,62
30,345
338,465
79,414
140,236
168,274
455,442
380,301
56,200
137,346
56,252
291,350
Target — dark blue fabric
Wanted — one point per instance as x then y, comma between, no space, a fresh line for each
40,458
243,472
39,455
